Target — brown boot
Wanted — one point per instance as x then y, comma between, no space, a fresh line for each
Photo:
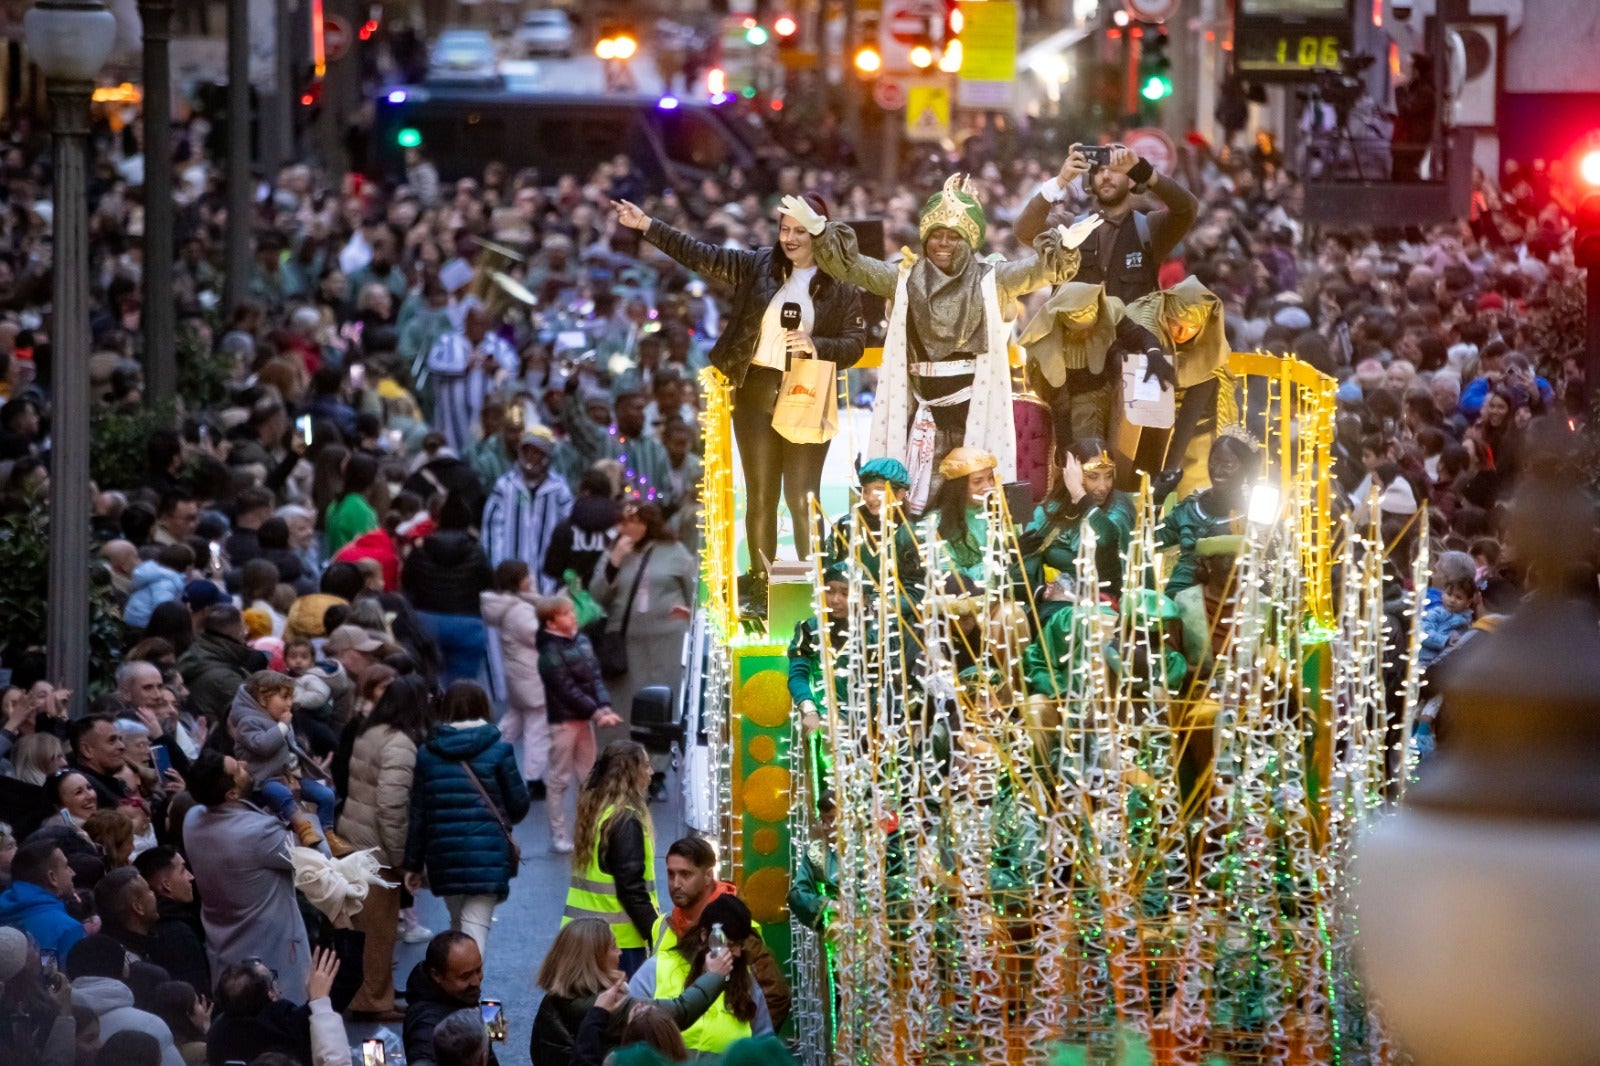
306,831
337,845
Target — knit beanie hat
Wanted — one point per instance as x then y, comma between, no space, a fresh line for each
13,952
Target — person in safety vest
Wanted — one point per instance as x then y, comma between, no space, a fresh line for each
614,860
692,883
741,1010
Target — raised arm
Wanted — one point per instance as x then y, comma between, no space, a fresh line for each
839,255
1035,217
726,265
1053,264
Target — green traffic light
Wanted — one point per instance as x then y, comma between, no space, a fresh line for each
409,138
756,35
1156,88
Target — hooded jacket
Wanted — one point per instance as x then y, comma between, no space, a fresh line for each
214,667
427,1006
578,543
42,916
570,671
153,585
839,330
447,573
452,835
112,1003
514,616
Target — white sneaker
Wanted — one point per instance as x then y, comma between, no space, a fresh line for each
415,933
561,846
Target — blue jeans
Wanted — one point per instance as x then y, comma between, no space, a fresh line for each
462,640
279,798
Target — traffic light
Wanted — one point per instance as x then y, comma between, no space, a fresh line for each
617,41
1155,69
1587,248
785,27
868,60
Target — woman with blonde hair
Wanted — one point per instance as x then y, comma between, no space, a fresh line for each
613,858
37,756
581,973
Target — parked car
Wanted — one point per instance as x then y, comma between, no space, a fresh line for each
545,33
463,57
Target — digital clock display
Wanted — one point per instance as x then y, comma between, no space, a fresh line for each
1292,40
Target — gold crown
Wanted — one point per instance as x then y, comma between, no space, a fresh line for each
1103,461
1239,433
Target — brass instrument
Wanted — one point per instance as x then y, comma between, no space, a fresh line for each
495,289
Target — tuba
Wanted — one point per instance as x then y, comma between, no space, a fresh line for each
492,286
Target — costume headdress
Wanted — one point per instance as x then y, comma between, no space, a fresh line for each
1191,302
1073,331
891,470
1102,461
964,461
1239,433
954,207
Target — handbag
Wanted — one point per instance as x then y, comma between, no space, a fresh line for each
516,849
807,411
612,648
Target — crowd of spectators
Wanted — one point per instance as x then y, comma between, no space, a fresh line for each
340,556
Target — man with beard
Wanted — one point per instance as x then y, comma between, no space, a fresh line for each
177,923
1124,256
946,378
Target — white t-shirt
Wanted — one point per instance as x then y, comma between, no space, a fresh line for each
770,349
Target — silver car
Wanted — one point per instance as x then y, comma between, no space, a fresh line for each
462,55
545,33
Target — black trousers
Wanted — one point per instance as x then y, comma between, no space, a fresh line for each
773,465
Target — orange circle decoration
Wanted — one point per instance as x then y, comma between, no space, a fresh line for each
766,892
766,794
763,748
764,699
765,841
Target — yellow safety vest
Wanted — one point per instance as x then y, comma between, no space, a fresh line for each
593,893
717,1028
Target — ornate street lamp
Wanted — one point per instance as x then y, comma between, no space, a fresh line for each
70,40
1479,903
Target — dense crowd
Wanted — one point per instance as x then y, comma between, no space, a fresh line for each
410,548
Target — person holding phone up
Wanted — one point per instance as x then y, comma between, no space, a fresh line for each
783,308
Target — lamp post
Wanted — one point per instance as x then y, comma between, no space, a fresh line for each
160,357
70,40
240,182
1480,901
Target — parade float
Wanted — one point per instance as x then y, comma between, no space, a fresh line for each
1106,861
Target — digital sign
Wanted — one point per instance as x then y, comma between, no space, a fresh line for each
1292,40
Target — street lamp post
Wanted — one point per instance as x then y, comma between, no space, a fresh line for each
70,40
240,182
160,356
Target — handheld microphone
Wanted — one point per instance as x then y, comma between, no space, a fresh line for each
789,316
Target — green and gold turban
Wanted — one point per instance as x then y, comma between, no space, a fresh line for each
954,207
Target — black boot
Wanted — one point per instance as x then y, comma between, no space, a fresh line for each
535,791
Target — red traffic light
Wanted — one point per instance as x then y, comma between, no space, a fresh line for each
785,26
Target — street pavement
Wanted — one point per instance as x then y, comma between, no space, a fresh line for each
526,923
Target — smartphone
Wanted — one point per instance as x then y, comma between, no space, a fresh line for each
162,759
494,1019
303,423
1019,501
396,440
1098,155
204,435
372,1052
49,963
358,376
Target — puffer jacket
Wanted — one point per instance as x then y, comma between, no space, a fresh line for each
573,688
839,329
446,574
377,806
514,616
451,834
153,585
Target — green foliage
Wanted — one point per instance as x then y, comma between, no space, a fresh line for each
117,444
202,374
24,585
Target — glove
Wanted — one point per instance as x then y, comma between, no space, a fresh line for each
1074,235
1158,366
801,212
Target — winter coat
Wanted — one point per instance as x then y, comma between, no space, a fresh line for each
839,331
42,916
183,945
570,670
281,1026
451,834
214,667
245,881
377,806
578,543
112,1003
447,573
378,546
265,746
153,585
513,615
556,1025
427,1006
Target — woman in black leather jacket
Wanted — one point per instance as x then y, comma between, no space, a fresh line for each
753,352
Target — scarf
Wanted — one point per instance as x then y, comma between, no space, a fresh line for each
682,920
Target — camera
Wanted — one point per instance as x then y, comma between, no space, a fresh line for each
1098,155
